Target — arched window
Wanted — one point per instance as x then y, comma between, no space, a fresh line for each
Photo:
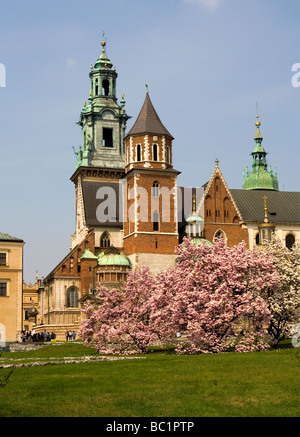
155,221
138,152
105,240
257,239
155,189
154,152
289,241
220,234
96,87
72,298
105,87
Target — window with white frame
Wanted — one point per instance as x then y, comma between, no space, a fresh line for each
138,153
155,189
155,221
155,153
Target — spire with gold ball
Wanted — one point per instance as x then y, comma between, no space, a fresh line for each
260,178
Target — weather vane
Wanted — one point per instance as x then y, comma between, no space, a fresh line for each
146,85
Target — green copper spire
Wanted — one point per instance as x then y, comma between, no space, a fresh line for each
102,119
260,178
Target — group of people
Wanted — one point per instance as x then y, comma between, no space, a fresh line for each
37,337
70,335
44,336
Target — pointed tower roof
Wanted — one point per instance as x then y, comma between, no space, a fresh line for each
260,178
148,121
258,137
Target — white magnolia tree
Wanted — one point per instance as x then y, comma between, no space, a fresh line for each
284,300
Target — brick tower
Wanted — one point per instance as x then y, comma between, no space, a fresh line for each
150,192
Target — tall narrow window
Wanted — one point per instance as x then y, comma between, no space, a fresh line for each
3,288
138,152
168,155
107,137
155,189
257,239
105,240
155,221
96,87
105,87
72,298
2,259
154,152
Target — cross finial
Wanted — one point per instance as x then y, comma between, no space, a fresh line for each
147,88
257,108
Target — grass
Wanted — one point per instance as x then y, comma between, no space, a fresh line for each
261,384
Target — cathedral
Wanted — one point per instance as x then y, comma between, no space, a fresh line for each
130,211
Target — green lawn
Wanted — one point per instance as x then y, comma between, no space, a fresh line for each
157,385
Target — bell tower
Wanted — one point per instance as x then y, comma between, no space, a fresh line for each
102,120
150,219
101,156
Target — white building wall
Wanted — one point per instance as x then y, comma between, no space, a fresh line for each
281,231
155,262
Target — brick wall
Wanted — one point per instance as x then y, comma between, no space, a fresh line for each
221,214
142,209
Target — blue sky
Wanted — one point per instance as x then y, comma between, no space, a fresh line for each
207,63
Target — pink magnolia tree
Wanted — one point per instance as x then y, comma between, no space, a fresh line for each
211,292
121,324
